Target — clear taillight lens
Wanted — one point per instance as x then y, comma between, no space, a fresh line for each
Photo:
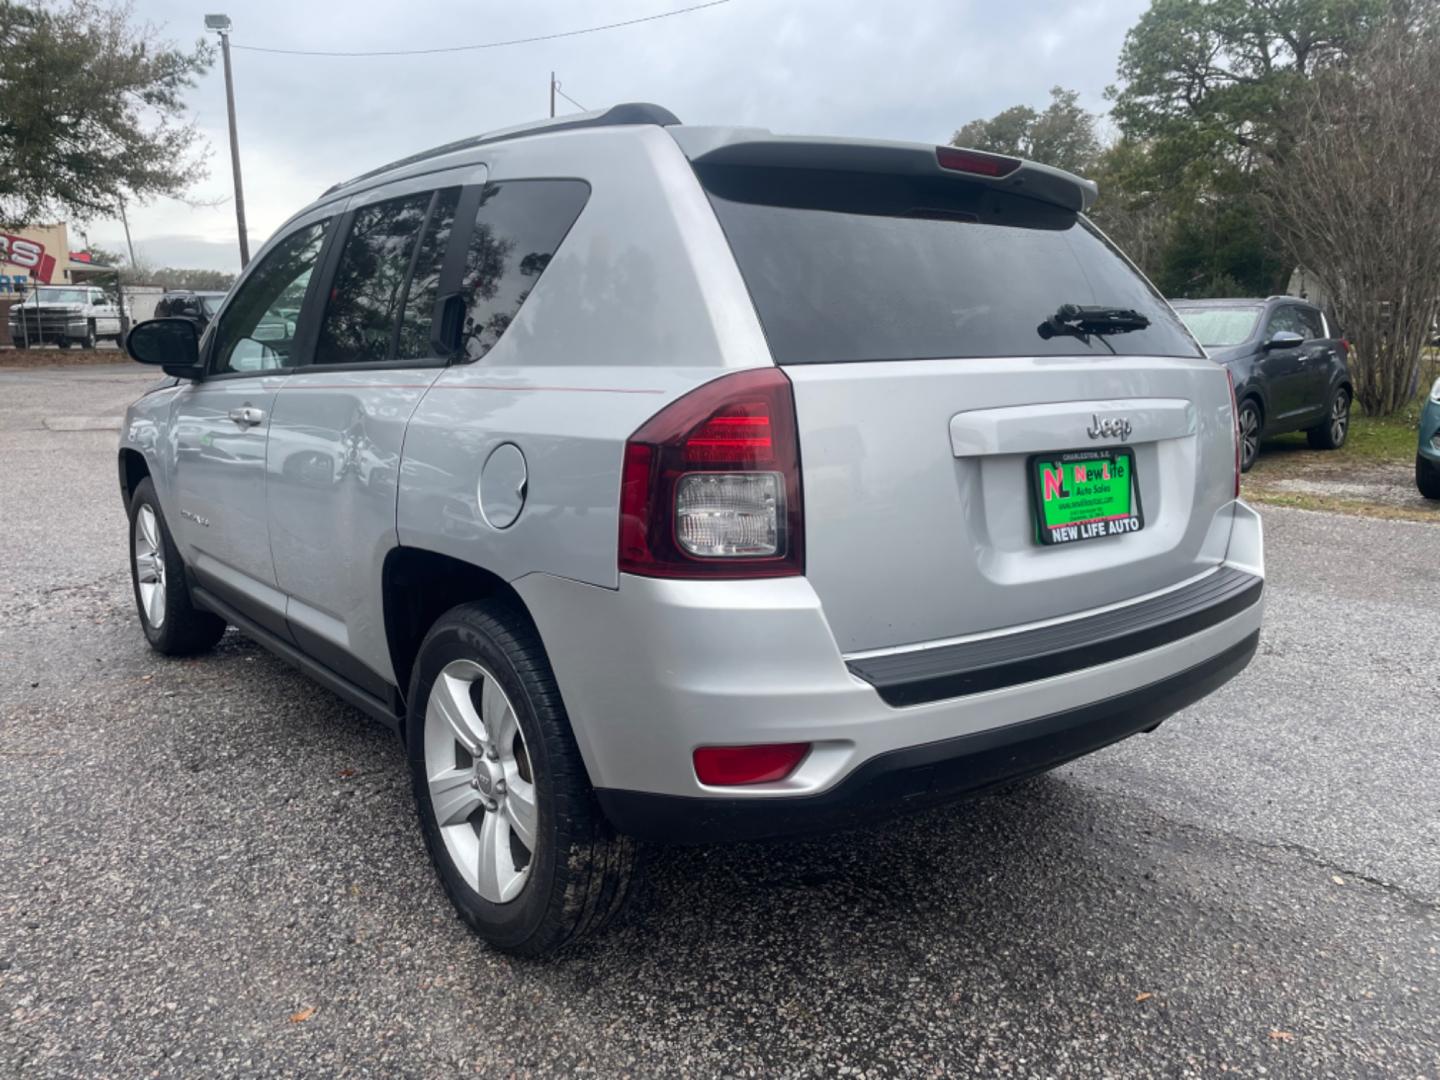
723,515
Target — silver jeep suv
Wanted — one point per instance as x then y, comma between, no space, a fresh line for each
695,483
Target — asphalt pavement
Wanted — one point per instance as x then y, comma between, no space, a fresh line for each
211,867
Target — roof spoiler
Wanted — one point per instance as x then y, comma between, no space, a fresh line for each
757,147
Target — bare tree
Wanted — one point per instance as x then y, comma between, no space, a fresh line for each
1356,199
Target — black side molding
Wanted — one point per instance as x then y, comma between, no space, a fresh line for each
338,685
951,671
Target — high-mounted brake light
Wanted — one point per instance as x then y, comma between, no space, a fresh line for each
731,766
975,161
710,485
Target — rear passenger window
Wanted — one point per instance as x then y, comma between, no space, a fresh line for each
518,229
425,281
368,306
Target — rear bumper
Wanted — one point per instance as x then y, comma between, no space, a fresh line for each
654,669
921,776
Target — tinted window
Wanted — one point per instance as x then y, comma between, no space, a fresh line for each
424,285
1284,318
1310,324
367,293
258,330
518,229
856,266
1217,327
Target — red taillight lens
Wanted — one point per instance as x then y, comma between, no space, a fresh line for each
1235,415
711,484
975,162
732,766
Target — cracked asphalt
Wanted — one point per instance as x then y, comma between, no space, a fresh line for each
195,855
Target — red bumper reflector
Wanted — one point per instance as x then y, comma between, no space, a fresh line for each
731,766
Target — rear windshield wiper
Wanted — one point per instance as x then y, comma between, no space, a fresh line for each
1081,321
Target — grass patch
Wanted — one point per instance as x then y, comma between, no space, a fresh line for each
1334,505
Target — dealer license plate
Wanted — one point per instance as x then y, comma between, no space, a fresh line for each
1085,495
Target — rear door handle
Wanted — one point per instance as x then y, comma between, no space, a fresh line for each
248,416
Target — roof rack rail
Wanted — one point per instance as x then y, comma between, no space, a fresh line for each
634,112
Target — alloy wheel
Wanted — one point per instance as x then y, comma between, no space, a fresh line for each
482,786
1339,417
1249,434
150,566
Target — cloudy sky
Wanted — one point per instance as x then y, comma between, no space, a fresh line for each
909,69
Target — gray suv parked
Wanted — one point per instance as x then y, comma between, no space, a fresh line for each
689,484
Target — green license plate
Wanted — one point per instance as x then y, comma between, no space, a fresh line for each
1084,495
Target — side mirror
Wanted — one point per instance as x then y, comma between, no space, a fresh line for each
1285,339
170,344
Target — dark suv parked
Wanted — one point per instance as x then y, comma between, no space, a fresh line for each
200,306
1287,363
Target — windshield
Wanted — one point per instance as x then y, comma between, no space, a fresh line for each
1217,327
210,304
866,266
61,296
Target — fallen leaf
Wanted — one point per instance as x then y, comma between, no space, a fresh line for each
1144,995
309,1011
1278,1036
346,774
1337,879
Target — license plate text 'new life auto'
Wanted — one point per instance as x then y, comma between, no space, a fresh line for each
1084,495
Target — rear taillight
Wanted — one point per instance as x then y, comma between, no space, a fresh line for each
732,766
1235,416
711,484
975,162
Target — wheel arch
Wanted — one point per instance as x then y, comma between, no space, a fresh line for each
133,468
417,587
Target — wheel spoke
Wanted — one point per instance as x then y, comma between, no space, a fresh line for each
521,810
453,796
499,880
493,710
147,569
450,703
149,529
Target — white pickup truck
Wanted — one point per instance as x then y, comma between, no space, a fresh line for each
62,314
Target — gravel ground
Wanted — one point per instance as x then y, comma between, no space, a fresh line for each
211,867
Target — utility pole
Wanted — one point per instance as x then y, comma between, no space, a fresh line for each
126,222
552,95
221,25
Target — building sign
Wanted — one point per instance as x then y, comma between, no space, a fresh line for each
28,255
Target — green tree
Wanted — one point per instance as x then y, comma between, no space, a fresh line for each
90,110
1204,101
1063,135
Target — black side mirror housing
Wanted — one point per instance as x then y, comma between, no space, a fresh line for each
1285,339
173,345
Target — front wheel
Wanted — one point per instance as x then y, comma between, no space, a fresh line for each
89,340
1249,433
1427,477
1330,434
172,624
508,815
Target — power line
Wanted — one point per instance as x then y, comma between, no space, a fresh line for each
487,44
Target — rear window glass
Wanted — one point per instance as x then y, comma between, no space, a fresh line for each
1217,327
855,267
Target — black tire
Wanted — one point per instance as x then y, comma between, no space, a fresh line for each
180,628
1252,423
581,872
1427,477
1330,434
62,343
89,340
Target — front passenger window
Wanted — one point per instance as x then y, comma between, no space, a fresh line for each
1284,319
258,331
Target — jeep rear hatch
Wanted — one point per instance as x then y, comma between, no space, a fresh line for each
962,353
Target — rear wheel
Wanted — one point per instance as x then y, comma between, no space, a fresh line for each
1427,477
1250,425
509,817
62,343
172,624
1331,433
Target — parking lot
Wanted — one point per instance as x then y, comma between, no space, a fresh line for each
211,867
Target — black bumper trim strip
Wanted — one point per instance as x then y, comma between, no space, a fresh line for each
951,671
